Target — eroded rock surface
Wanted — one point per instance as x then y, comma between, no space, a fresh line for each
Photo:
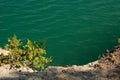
106,68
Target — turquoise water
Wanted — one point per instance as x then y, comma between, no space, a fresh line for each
76,31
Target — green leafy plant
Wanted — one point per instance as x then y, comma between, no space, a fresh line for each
31,54
119,40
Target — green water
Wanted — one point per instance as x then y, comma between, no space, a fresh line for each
76,31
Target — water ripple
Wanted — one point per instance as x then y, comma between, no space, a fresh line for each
75,25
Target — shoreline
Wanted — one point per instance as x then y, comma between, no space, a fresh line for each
106,68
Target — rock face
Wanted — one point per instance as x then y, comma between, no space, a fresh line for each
106,68
11,73
4,52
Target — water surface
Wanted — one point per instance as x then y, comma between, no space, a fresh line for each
76,31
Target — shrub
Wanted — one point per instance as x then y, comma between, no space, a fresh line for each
119,40
31,54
